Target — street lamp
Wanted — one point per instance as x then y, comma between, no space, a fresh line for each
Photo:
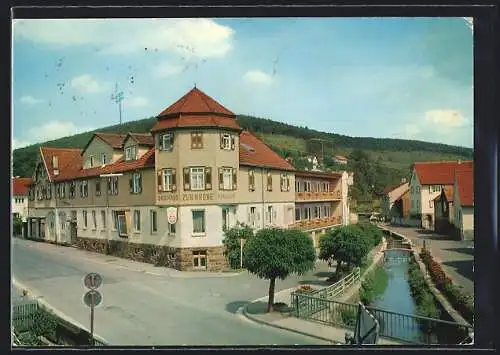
109,176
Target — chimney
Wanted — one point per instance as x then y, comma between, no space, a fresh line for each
55,164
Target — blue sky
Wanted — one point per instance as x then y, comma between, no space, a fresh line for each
406,78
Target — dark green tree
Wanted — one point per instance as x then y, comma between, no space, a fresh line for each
276,253
232,242
346,244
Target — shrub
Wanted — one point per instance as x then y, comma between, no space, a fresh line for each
373,285
305,289
232,245
348,317
44,324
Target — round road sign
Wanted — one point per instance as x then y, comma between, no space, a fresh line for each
92,298
93,280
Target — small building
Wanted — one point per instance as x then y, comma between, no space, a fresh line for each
19,206
444,212
340,159
390,196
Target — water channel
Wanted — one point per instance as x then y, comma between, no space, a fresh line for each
397,298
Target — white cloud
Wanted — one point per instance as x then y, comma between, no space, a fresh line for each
30,100
138,101
411,130
445,118
258,77
166,69
47,132
188,37
86,84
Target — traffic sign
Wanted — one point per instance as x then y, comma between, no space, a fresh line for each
172,215
92,281
92,298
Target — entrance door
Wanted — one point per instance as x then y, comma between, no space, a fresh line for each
225,218
72,228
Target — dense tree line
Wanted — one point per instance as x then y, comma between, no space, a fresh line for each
371,172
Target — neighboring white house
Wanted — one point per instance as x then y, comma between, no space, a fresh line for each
20,187
427,181
391,195
463,196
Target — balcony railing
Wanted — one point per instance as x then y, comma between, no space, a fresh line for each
318,196
317,222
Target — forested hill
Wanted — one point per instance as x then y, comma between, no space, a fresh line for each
391,158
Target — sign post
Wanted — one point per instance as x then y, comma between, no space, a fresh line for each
241,253
92,298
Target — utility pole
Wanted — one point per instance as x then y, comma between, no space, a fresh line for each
118,97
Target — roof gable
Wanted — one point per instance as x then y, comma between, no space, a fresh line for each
145,139
464,180
438,172
20,186
68,160
115,141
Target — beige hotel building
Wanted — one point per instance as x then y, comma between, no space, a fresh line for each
167,197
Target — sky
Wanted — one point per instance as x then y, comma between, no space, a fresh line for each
409,78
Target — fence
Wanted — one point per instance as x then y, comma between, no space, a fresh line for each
403,327
329,292
23,315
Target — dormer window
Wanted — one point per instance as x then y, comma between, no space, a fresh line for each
167,142
130,153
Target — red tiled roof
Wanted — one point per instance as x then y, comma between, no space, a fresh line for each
196,101
196,121
20,186
255,152
439,172
465,185
142,138
121,165
69,160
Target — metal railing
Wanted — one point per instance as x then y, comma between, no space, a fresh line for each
406,328
23,315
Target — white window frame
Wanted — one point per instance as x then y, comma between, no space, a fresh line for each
153,216
131,153
283,182
136,181
94,220
200,255
299,212
269,214
195,174
114,185
227,178
167,180
104,158
171,228
137,220
122,222
252,215
225,218
103,219
167,142
91,161
226,141
199,233
84,218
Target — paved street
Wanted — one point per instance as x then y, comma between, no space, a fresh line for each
456,257
141,307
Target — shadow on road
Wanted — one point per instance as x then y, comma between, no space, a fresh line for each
316,282
232,307
323,274
257,308
463,267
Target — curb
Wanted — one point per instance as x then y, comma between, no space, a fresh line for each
260,321
53,310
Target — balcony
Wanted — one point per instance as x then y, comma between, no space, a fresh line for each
318,196
307,224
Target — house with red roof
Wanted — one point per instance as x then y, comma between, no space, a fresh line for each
444,212
20,188
166,197
463,200
426,183
389,198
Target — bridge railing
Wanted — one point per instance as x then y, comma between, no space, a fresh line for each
398,326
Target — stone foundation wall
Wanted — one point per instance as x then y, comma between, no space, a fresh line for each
158,255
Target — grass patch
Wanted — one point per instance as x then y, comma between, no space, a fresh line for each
426,304
373,285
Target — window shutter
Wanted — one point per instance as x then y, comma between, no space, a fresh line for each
208,178
287,183
232,142
221,179
187,178
140,183
193,140
200,140
235,179
109,185
275,215
131,183
248,215
174,178
250,182
222,141
159,179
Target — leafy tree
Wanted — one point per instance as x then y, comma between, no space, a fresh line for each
232,245
17,224
373,234
276,253
346,244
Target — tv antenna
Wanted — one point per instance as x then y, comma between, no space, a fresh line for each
117,97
